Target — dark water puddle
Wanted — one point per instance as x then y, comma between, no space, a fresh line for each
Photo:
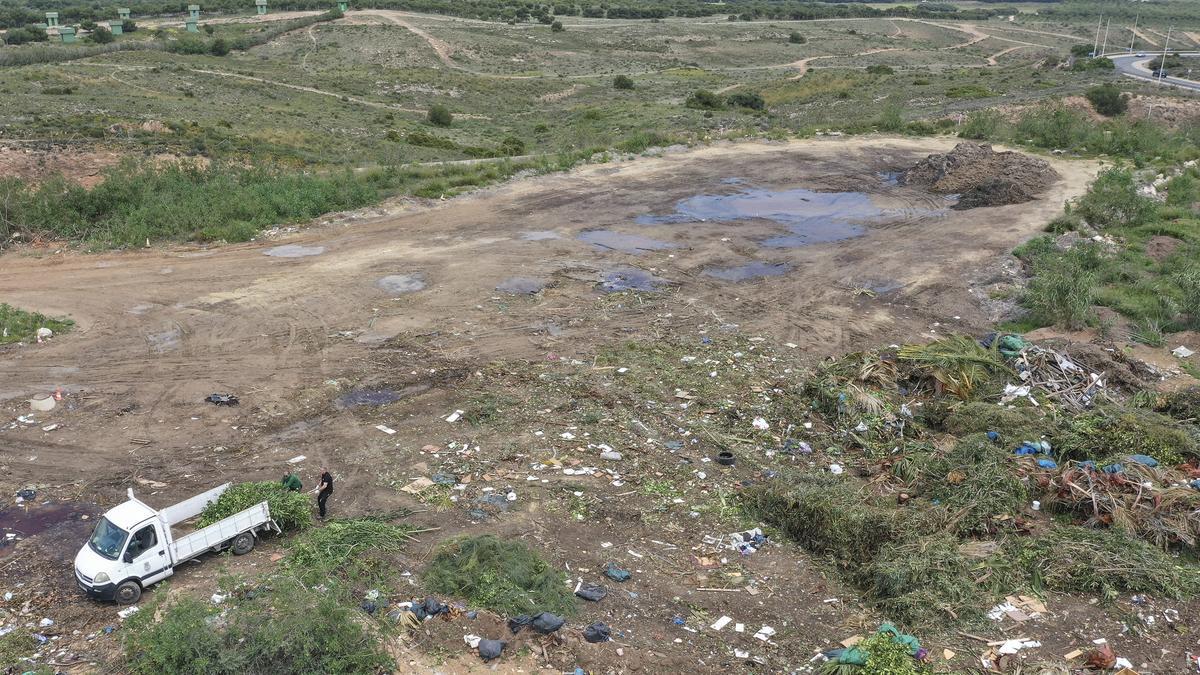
30,519
620,241
520,285
811,217
751,270
891,177
540,235
630,279
402,283
294,251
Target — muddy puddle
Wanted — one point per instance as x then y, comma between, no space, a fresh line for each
611,240
402,283
378,396
749,271
810,217
630,279
294,251
520,286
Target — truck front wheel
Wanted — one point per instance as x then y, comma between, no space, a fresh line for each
243,543
128,592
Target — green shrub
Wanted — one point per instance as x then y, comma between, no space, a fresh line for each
291,510
704,99
981,124
557,27
885,656
101,36
1188,282
501,575
747,100
796,38
25,35
1183,190
1113,201
440,116
622,82
880,69
969,91
922,580
1082,65
219,47
1013,424
1107,100
1063,288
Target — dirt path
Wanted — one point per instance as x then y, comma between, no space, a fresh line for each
251,18
802,65
443,50
991,60
1146,38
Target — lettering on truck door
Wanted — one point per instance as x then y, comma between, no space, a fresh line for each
147,555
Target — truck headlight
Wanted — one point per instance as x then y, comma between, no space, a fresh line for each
101,578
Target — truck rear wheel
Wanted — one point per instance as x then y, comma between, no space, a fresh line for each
128,592
243,543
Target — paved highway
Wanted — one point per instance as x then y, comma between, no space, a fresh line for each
1140,67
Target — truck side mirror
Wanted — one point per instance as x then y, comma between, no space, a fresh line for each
128,557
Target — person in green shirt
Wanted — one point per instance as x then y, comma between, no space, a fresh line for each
291,481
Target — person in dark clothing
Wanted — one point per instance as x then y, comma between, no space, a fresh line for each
324,489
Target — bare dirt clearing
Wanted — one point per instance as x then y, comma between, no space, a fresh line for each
831,254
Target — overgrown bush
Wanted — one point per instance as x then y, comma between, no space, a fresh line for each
1107,100
978,481
744,99
1013,424
891,118
501,575
622,82
704,99
1188,282
291,510
918,580
796,38
440,116
557,27
100,35
1113,201
981,124
219,47
880,69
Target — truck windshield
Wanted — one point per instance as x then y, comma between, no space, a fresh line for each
108,539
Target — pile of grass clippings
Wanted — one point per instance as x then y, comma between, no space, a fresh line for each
355,549
291,510
503,576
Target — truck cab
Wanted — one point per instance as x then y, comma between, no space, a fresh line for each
133,546
126,552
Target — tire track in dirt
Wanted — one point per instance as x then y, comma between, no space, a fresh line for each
1151,41
802,64
992,59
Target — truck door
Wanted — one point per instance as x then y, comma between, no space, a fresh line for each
146,556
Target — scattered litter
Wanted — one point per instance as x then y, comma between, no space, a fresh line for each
546,623
743,542
610,454
764,633
724,458
836,469
387,430
761,424
46,623
454,416
472,640
1014,646
297,459
223,399
721,623
741,653
1182,352
50,427
128,612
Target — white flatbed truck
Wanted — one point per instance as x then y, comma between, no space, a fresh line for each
133,547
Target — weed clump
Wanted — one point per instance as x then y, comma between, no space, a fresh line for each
919,580
290,510
17,325
503,576
1013,424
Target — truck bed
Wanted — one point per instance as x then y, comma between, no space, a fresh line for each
195,543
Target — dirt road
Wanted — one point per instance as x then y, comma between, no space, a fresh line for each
164,328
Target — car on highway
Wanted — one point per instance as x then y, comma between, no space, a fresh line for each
1141,54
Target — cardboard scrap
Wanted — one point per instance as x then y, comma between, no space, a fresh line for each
417,486
946,654
1073,654
852,640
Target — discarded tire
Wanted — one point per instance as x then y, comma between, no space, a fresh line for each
725,458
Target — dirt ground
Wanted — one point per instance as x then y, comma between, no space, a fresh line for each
411,299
